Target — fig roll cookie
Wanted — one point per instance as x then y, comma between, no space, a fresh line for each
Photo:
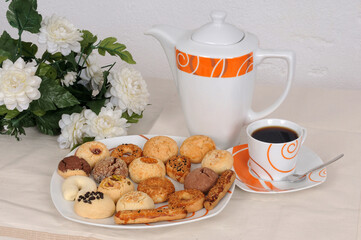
219,190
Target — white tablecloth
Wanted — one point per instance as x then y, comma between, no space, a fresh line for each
328,211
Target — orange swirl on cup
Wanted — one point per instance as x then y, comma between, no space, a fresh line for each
273,166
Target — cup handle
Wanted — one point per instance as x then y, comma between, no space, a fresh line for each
304,135
290,58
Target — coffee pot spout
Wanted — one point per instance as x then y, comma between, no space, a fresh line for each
168,36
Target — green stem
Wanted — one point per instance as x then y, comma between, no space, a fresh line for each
19,52
16,121
111,66
47,54
20,32
82,66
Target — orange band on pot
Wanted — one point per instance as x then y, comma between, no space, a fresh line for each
214,67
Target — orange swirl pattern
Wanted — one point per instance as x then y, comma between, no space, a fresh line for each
322,173
214,67
240,164
288,152
317,176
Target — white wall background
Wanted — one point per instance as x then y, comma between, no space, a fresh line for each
325,34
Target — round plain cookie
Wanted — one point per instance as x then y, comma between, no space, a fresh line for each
146,167
134,200
94,205
77,185
202,179
92,152
195,147
158,188
160,147
115,186
218,160
73,166
178,167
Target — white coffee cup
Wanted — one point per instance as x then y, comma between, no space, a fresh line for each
274,161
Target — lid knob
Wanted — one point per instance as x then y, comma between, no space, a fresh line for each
218,16
218,32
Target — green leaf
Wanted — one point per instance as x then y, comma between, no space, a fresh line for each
134,118
111,46
52,96
71,59
45,70
22,15
15,126
127,57
80,92
2,58
36,110
88,40
29,49
49,123
9,114
96,105
51,57
8,46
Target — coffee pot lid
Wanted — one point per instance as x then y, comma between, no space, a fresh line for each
218,32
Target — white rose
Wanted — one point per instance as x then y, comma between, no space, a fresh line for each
128,90
108,123
69,79
18,85
72,129
59,35
92,76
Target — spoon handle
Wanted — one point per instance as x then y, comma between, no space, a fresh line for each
325,164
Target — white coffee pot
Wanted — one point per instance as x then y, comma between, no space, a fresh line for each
214,71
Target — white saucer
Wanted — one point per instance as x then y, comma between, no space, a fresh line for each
247,181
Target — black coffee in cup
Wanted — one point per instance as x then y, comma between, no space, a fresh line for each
275,134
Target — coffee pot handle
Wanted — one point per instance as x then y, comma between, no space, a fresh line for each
290,58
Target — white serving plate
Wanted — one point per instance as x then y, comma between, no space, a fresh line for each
65,208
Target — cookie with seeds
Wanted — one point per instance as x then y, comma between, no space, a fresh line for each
178,167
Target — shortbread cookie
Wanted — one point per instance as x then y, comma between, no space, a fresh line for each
160,147
195,147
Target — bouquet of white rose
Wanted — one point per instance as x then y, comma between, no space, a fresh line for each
65,91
